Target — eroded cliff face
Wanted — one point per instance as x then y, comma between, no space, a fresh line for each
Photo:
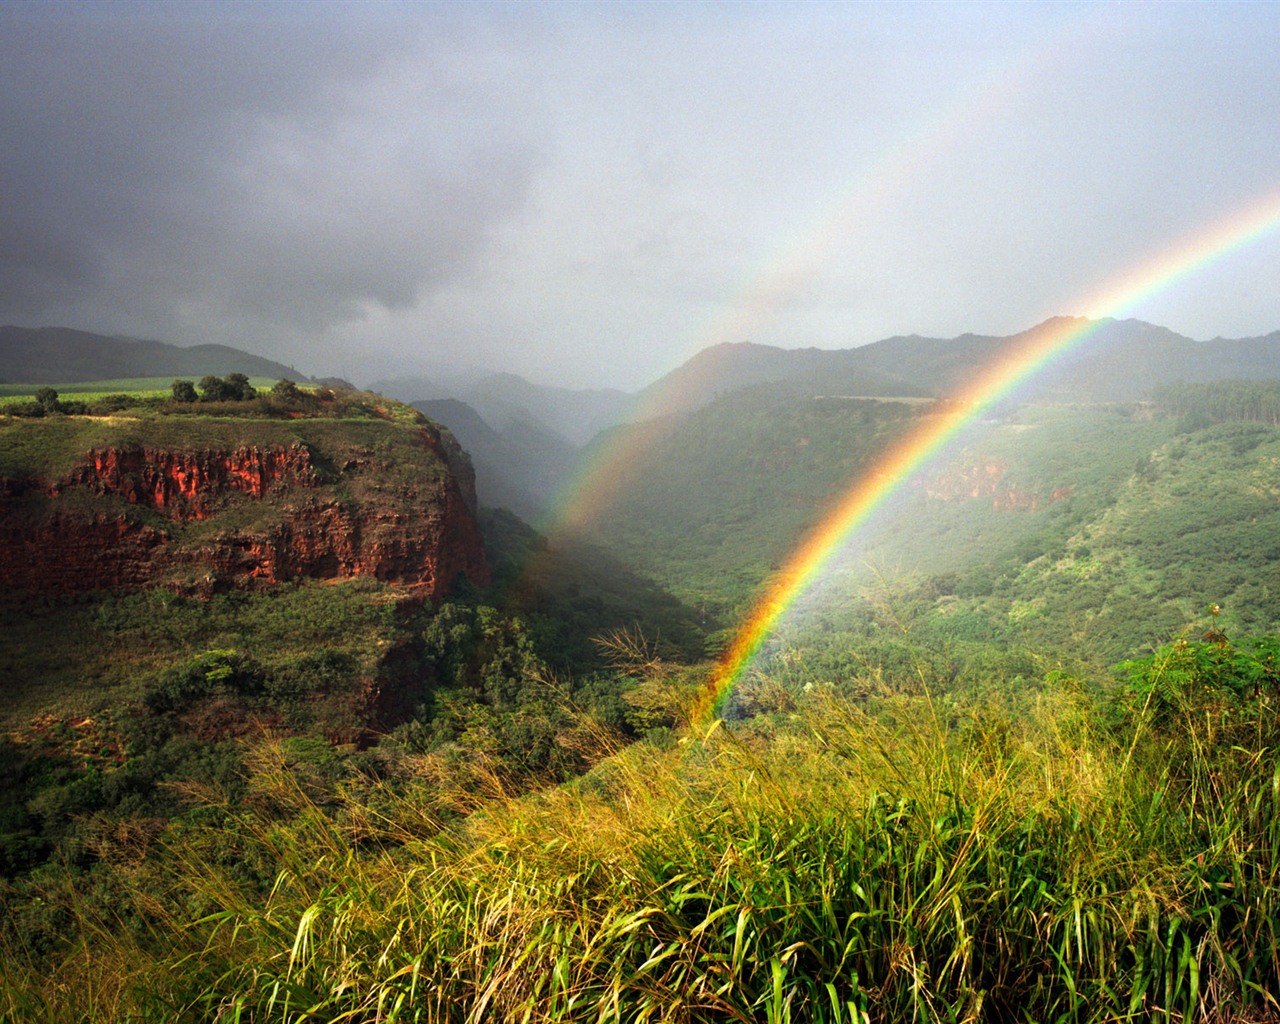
988,480
400,509
189,485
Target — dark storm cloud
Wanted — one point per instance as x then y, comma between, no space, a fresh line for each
289,165
589,193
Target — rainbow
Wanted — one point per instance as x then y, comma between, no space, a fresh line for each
1017,364
787,271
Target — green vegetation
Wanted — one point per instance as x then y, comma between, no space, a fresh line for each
1107,575
1022,776
1077,533
234,395
111,648
139,390
338,428
718,501
140,386
1255,401
574,591
338,664
915,853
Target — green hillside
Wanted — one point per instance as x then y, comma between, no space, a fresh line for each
1089,532
911,852
1160,518
722,497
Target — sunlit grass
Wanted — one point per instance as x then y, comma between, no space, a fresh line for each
906,859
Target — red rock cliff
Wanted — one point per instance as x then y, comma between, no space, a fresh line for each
988,480
136,516
188,485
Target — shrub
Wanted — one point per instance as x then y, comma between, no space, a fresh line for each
114,403
239,388
288,392
1188,678
205,675
184,391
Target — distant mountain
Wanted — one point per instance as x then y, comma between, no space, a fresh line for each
1126,360
414,389
59,355
1122,360
524,438
505,400
725,368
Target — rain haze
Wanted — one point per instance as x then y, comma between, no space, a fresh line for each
588,194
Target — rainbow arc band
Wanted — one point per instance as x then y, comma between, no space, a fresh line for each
1015,366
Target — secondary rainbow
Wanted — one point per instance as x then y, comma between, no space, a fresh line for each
798,261
1018,364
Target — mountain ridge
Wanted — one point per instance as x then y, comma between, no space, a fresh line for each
1121,360
60,355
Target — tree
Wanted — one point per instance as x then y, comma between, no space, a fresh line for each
239,387
287,391
47,399
214,389
184,391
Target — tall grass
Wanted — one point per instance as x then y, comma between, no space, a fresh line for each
901,860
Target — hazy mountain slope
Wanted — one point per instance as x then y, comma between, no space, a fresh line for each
577,414
575,592
712,504
1247,358
506,401
411,389
518,468
1118,361
54,355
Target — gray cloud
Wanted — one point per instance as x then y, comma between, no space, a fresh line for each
589,193
262,171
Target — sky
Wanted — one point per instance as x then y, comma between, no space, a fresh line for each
588,194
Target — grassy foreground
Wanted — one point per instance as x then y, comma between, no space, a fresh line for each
902,858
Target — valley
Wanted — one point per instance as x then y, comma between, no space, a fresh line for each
298,728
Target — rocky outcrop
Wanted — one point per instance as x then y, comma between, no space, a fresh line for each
67,553
987,480
189,484
132,516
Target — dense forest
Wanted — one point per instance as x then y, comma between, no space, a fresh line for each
1256,401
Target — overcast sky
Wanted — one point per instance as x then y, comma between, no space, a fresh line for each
588,194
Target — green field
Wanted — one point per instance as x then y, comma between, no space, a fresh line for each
87,391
